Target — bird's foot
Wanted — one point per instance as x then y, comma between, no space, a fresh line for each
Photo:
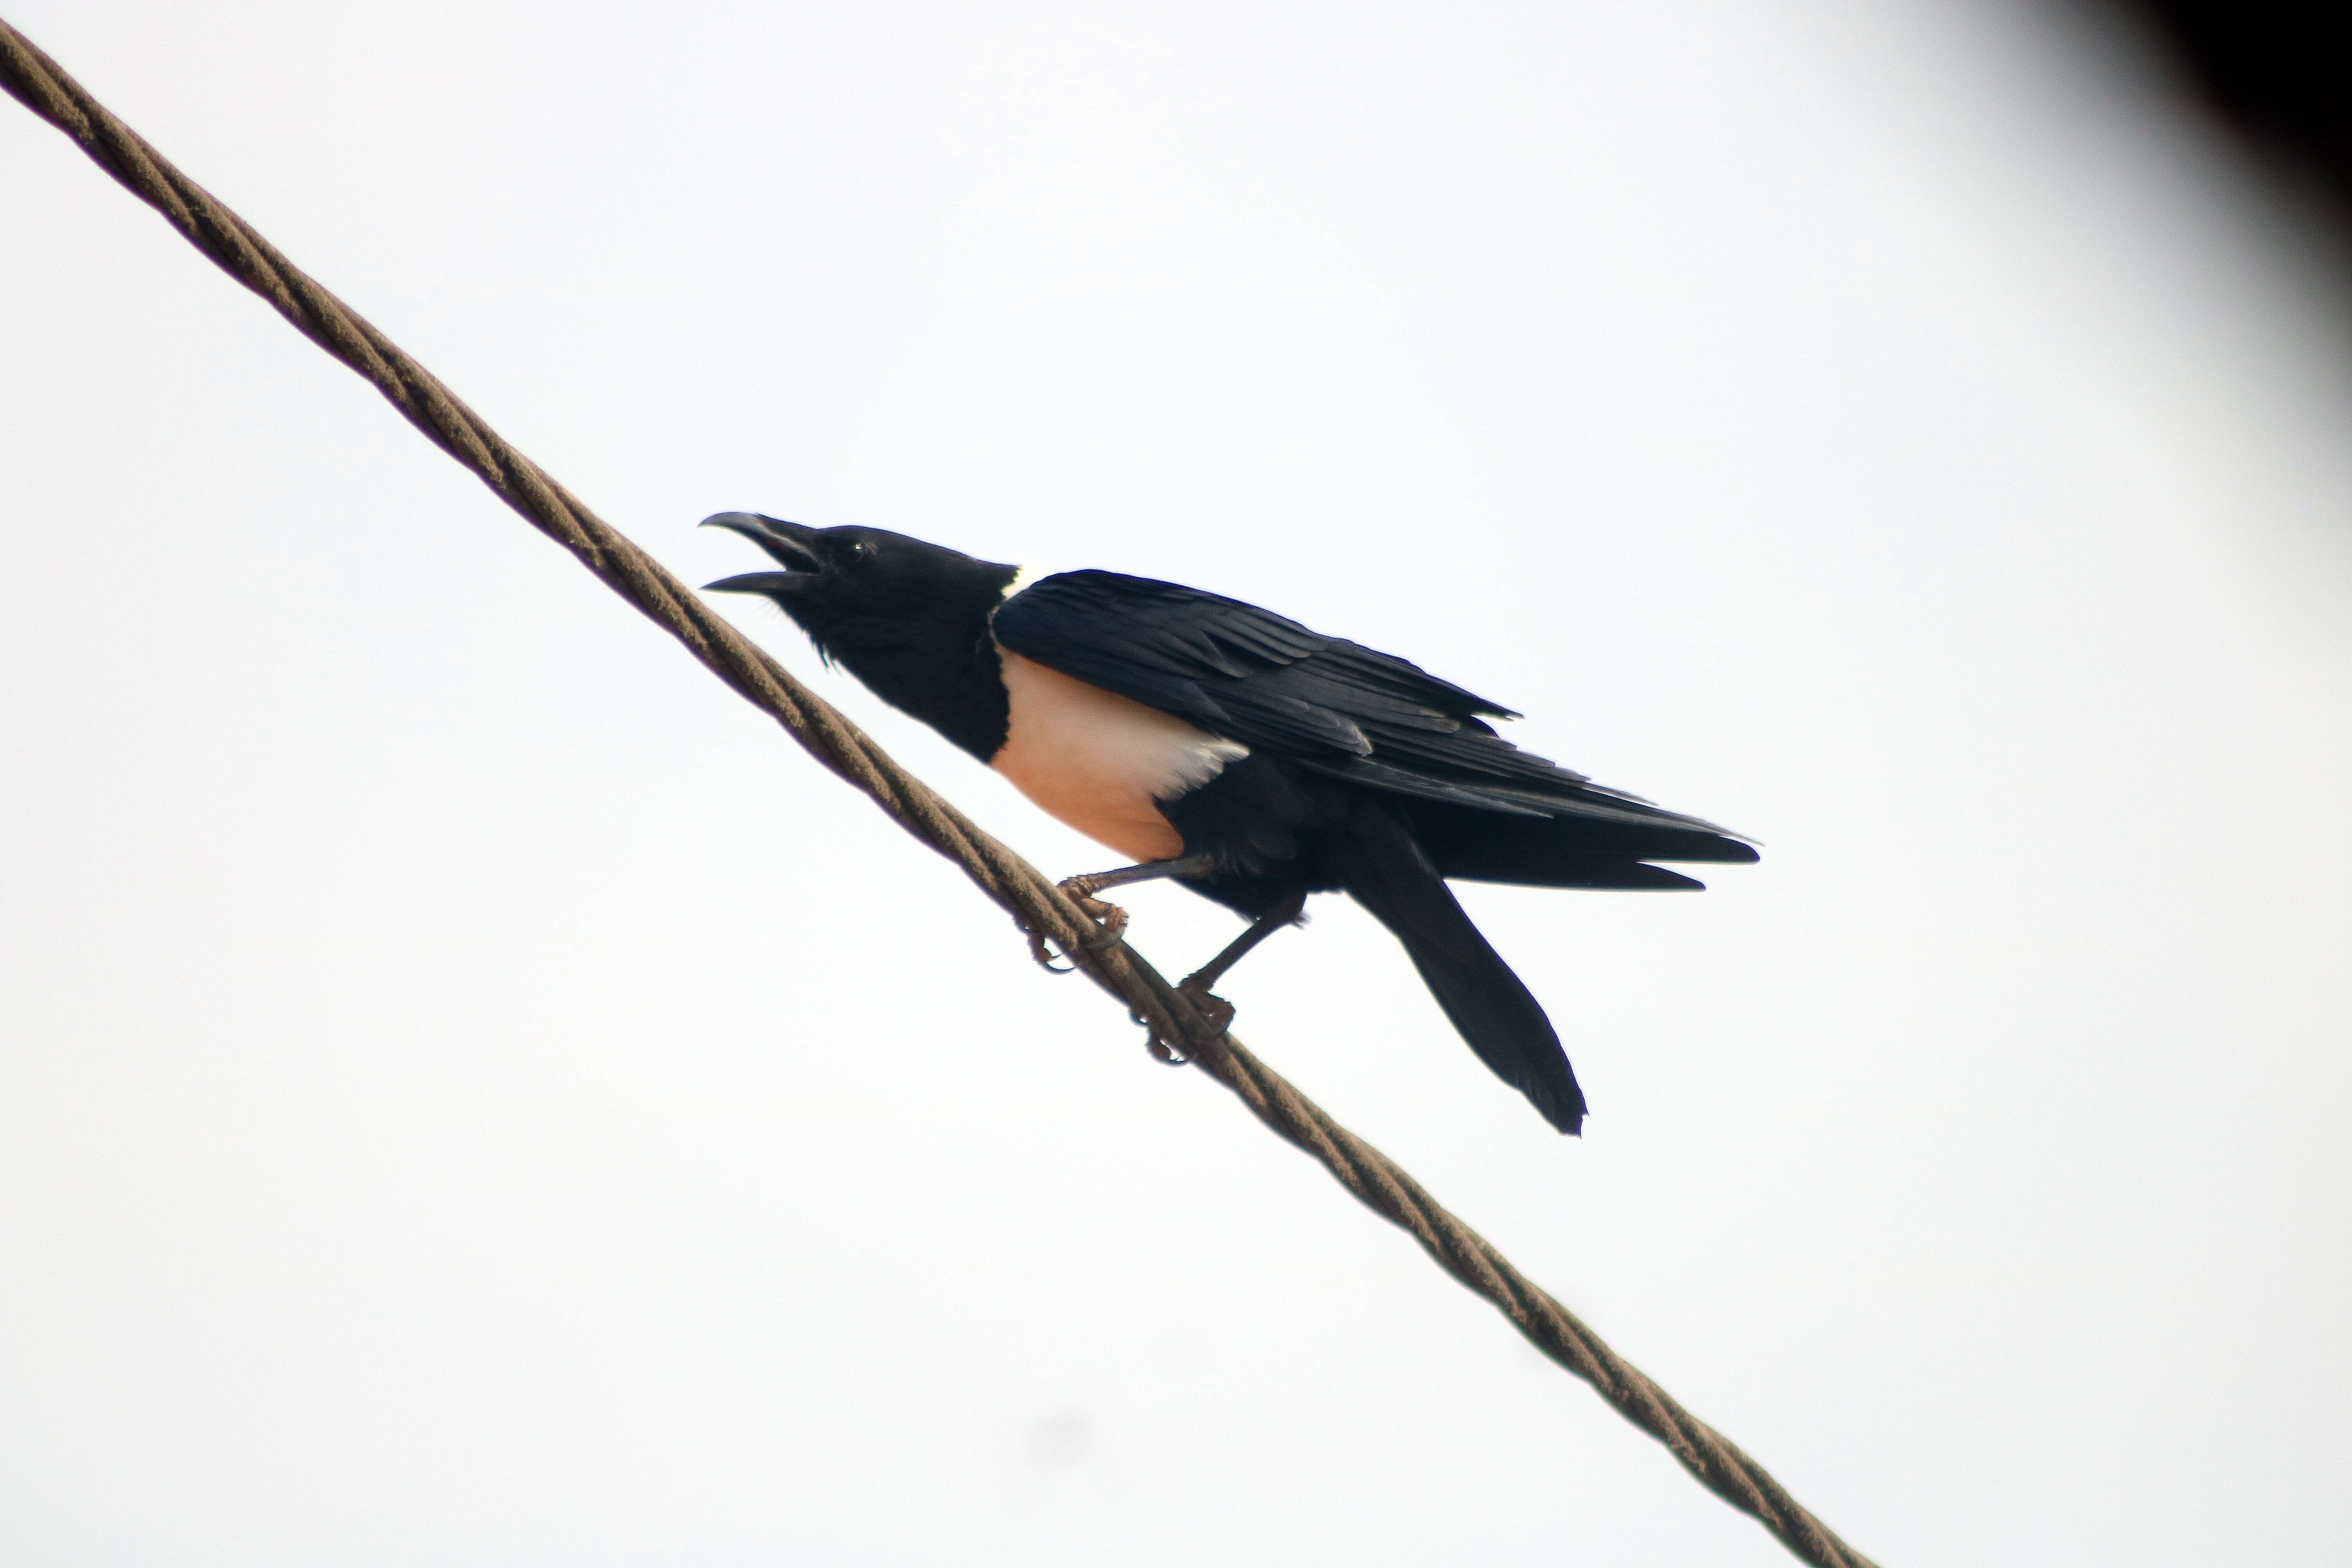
1214,1009
1110,924
1110,918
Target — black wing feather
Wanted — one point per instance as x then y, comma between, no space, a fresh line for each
1320,702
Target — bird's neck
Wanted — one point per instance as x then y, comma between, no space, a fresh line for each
943,671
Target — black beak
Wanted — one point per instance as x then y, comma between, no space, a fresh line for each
787,544
773,583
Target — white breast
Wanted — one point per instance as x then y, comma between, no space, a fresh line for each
1101,761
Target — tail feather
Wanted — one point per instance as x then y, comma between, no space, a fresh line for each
1385,870
1562,852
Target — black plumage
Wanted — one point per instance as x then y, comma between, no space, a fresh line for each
1340,710
1251,758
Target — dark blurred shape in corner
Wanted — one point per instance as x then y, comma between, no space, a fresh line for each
2279,74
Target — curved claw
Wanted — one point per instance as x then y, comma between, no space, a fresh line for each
1043,955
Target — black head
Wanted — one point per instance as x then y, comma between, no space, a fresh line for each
858,589
907,618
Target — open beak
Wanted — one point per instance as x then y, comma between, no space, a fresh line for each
787,544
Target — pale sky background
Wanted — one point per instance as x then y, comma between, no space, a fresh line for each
464,1100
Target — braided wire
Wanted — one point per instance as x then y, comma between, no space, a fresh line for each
1017,887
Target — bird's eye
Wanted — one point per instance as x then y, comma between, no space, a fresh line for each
858,549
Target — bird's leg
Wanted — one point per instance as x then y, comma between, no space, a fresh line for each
1082,890
1285,913
1195,985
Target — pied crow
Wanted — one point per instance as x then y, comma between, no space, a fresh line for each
1252,760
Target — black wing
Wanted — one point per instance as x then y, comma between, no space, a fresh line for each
1320,702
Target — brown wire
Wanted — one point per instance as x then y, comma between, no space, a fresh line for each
37,82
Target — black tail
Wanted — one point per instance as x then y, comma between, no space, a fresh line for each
1385,870
1473,846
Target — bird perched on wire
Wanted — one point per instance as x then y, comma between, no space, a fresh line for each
1235,751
